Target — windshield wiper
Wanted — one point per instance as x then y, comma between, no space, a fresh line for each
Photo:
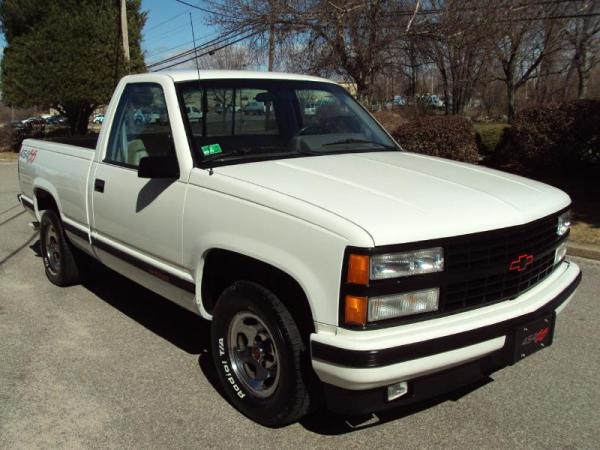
357,141
243,152
264,153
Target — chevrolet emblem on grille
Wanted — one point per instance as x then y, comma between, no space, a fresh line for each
521,263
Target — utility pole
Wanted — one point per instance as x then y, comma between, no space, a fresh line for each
125,31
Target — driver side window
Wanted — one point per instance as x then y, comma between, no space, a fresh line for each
140,126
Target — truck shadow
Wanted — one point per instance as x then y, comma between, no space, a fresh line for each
329,424
171,322
191,334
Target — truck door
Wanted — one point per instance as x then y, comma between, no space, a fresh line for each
137,221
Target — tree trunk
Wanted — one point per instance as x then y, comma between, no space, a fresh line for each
78,116
582,79
446,97
582,86
510,96
445,88
362,90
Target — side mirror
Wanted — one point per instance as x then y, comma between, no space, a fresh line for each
158,167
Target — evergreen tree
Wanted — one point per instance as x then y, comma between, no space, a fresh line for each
67,54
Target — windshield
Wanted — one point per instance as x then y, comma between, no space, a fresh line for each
239,120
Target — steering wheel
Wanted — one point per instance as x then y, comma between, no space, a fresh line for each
311,129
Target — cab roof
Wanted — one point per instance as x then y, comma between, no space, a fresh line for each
191,75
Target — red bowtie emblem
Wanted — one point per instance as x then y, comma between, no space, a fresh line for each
521,263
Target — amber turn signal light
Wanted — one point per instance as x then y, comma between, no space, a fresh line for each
355,310
358,269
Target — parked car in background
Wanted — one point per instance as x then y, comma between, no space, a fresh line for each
310,109
98,118
53,120
431,101
141,116
254,108
193,113
17,125
33,121
399,100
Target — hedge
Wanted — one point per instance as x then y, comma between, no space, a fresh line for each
559,144
450,137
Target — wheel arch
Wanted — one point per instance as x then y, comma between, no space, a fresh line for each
45,198
222,267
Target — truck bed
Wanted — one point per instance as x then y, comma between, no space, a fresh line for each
88,142
62,169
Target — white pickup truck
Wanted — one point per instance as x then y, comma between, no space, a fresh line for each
332,264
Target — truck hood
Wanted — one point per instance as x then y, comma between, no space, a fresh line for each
399,197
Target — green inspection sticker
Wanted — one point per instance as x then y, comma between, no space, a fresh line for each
211,149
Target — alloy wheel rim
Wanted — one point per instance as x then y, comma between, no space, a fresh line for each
254,357
52,249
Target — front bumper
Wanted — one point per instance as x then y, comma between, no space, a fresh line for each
367,360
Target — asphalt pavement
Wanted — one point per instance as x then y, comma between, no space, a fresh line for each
109,364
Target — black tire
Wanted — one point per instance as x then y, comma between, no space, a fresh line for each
60,262
279,400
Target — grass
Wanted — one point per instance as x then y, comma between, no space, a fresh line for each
8,156
490,133
585,233
586,222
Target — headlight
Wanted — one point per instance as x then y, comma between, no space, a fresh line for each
407,303
560,252
359,307
564,223
417,262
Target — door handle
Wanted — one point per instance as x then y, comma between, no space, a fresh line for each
99,185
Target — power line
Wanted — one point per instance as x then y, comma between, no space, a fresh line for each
210,52
236,32
188,52
559,17
159,52
170,32
153,27
203,9
183,44
216,41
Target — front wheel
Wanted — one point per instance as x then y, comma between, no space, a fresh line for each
259,355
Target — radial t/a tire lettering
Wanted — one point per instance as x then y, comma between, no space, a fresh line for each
259,355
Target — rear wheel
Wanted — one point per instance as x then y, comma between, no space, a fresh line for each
59,256
259,355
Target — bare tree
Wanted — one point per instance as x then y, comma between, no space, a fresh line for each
407,59
350,38
457,43
523,38
263,19
583,37
229,58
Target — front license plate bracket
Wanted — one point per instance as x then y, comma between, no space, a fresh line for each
533,336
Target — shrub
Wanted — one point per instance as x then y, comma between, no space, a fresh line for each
490,135
10,139
450,137
389,120
559,144
553,138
